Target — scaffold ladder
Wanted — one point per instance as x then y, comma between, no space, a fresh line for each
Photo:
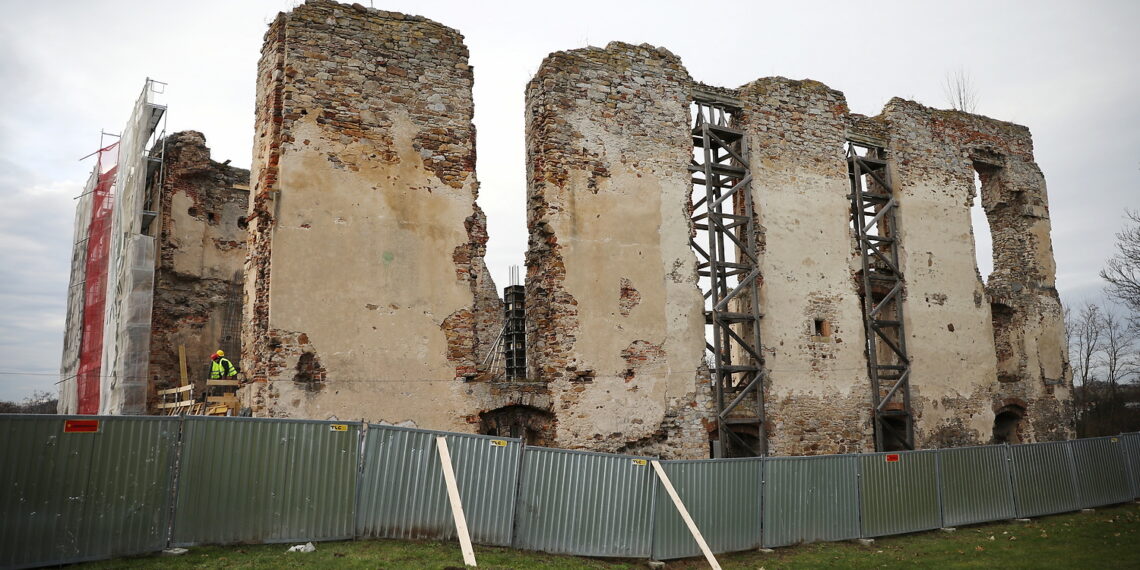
726,246
873,207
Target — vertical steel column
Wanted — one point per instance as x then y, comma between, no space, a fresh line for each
514,335
722,210
873,206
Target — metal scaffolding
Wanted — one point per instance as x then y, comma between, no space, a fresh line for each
728,268
514,331
873,206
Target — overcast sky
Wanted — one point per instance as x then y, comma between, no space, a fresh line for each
71,68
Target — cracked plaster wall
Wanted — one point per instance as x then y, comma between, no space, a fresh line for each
817,396
966,364
614,316
366,250
366,288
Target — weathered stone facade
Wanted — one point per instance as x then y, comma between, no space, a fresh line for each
367,296
981,356
201,251
978,350
817,394
614,314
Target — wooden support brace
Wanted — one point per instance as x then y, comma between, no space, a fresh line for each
456,504
685,514
171,405
186,388
182,365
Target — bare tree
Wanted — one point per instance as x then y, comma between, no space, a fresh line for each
1119,353
1122,271
1084,334
960,91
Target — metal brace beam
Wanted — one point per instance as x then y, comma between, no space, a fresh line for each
727,254
888,364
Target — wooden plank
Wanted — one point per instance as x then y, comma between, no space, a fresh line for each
177,390
685,514
182,365
182,404
228,399
223,382
456,505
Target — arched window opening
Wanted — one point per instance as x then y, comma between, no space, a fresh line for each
980,221
1007,425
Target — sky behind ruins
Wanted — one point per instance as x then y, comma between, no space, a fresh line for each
68,69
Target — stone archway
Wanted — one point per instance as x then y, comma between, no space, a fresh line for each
532,425
1007,424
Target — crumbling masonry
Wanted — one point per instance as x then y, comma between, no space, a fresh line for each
366,295
366,291
201,250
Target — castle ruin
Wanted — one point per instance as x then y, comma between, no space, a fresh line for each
710,271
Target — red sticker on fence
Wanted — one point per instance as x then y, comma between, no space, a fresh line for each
892,457
80,426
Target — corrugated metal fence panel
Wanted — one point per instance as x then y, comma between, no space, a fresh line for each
722,496
1131,443
70,497
975,485
589,504
403,494
266,480
487,474
1102,473
1043,478
899,492
809,499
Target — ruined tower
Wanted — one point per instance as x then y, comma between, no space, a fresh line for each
614,313
366,293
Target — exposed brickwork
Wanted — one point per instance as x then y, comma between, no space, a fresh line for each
935,155
628,297
365,155
608,141
201,249
268,120
817,396
488,318
365,143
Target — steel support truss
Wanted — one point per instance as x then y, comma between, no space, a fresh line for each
728,268
873,207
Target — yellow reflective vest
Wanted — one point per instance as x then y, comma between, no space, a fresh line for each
222,368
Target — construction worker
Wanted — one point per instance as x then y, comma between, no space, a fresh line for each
222,368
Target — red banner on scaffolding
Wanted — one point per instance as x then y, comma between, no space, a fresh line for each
95,282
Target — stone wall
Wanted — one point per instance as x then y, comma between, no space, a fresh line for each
201,252
977,350
367,296
614,314
818,395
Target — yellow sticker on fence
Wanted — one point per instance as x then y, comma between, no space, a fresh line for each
338,427
499,442
640,462
1114,440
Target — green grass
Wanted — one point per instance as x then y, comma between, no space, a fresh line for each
1106,538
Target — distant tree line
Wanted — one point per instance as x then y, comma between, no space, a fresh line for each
38,403
1104,345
